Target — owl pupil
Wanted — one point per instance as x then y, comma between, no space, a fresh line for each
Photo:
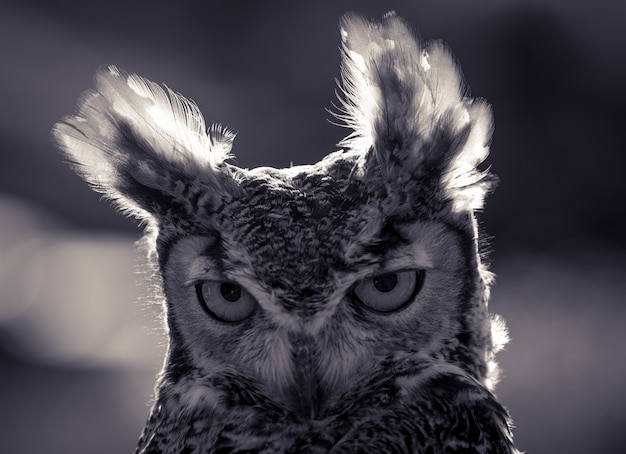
386,282
230,292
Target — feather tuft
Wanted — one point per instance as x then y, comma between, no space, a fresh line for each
403,98
132,136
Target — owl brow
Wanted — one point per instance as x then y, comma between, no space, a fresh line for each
389,237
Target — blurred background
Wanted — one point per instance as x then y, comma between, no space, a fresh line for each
80,341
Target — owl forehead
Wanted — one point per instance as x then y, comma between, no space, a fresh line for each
301,227
294,231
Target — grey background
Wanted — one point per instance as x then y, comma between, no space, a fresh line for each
80,343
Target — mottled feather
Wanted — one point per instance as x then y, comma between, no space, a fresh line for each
337,307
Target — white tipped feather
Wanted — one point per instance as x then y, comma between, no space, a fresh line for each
385,80
131,133
170,123
167,123
401,95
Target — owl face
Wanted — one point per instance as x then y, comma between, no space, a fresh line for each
301,300
310,275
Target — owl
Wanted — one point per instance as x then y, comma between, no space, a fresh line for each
336,307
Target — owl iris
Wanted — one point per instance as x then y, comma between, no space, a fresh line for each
389,292
225,301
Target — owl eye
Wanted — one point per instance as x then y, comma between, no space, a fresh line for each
225,301
389,292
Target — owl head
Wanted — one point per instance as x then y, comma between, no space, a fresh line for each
303,278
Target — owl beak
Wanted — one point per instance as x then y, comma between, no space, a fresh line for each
304,392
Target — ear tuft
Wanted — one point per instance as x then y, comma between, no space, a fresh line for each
406,102
139,142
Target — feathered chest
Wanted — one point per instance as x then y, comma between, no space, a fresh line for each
407,404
